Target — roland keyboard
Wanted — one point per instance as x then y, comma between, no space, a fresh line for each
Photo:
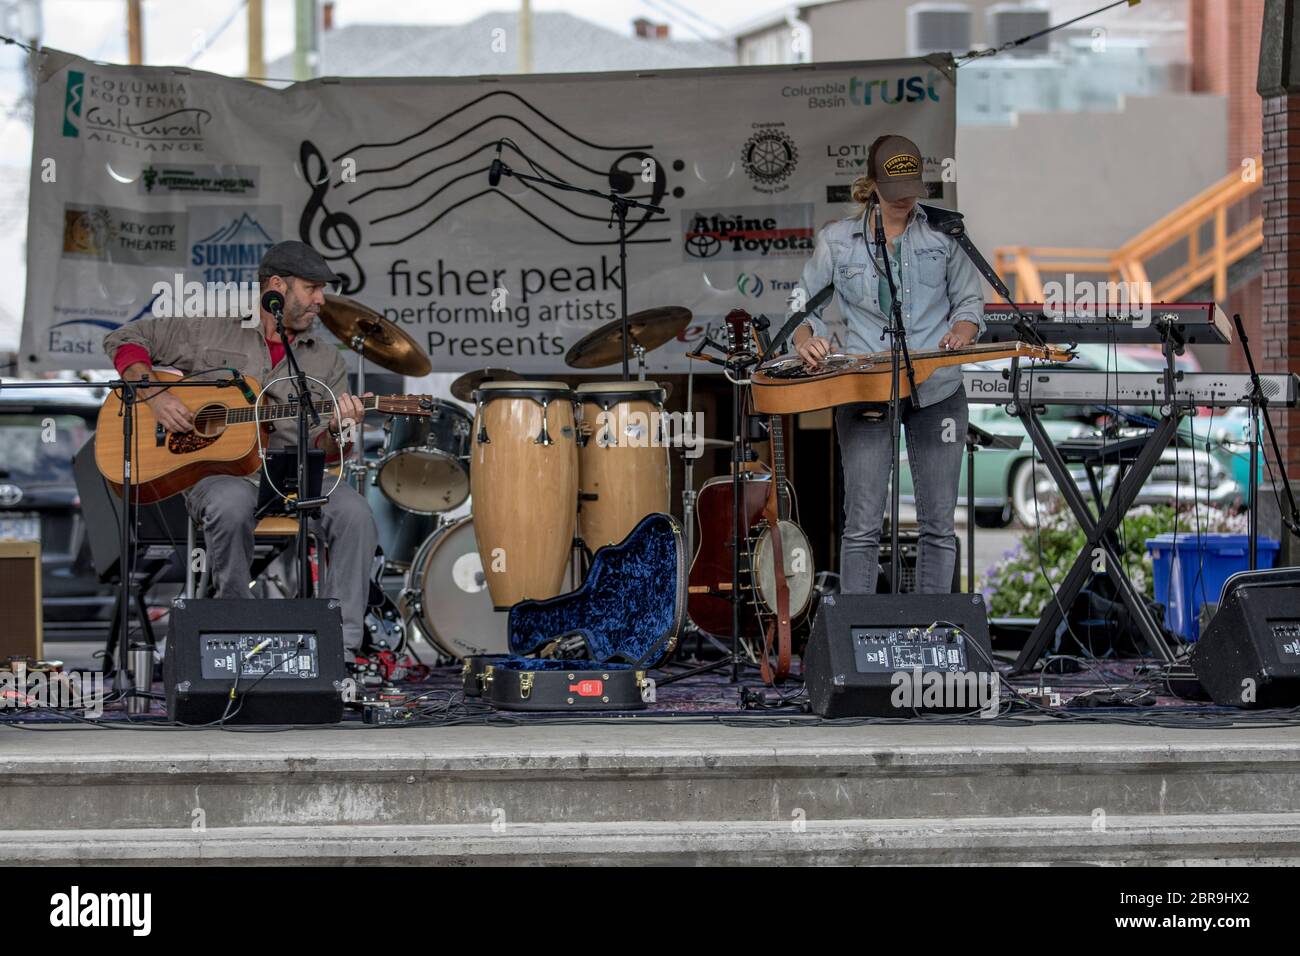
1196,322
1069,387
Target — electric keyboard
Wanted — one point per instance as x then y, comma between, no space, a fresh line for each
1196,323
1069,387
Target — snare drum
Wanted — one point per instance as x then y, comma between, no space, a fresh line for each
622,461
524,481
446,595
424,468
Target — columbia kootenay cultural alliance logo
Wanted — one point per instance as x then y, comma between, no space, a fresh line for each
72,103
769,157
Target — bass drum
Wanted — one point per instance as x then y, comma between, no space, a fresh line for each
446,595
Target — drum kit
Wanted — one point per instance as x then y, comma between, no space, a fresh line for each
551,474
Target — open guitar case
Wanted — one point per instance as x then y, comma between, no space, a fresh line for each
628,614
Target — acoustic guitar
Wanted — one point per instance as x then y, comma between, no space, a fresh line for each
223,441
786,386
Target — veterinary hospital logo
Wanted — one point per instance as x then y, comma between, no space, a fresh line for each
75,908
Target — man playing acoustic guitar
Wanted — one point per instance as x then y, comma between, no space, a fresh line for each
224,504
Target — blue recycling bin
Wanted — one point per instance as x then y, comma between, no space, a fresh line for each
1190,572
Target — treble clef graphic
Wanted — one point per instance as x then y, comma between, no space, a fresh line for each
338,233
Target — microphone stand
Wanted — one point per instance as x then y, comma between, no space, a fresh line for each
899,358
619,205
1258,406
304,507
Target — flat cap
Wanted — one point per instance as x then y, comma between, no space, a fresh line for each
294,258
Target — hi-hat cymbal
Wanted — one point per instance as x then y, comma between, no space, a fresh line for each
649,328
464,386
364,330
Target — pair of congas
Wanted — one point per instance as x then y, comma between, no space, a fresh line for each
549,464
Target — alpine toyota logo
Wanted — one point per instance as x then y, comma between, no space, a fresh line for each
10,495
749,232
769,157
749,284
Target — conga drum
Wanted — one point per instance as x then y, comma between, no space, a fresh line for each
524,485
622,461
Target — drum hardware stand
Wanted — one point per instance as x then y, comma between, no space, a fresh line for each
1258,406
359,468
619,205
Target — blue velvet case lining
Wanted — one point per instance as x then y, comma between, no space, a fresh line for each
630,609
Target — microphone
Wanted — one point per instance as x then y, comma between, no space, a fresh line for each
494,172
245,389
621,181
273,302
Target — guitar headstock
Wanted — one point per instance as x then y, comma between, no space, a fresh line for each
740,324
1046,353
405,404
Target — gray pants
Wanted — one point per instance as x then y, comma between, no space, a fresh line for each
936,438
223,506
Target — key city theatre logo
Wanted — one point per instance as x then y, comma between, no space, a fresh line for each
123,236
769,157
153,115
748,232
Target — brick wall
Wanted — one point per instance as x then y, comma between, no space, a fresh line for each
1223,39
1275,342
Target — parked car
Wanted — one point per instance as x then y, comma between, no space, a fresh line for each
40,431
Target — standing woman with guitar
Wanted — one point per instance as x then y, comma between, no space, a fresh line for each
942,307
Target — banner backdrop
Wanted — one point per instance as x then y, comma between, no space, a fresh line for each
145,177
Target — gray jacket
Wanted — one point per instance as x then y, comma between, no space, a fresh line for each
214,346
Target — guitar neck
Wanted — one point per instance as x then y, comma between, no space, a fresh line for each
287,410
776,433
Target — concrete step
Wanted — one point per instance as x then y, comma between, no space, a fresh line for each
1185,839
707,774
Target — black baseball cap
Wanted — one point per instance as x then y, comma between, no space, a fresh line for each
294,258
898,169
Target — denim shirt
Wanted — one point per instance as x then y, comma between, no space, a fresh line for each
939,286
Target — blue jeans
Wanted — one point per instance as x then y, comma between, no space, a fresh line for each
936,437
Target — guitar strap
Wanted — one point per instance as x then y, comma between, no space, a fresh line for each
792,323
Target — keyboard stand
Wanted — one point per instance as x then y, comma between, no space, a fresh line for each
1103,540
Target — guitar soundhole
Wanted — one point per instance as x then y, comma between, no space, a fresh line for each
210,422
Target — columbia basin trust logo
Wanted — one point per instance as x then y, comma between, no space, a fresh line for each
72,102
769,156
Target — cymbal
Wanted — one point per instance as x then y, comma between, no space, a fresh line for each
649,328
364,330
464,386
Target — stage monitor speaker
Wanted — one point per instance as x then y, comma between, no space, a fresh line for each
1249,656
909,547
20,611
288,655
161,523
866,650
